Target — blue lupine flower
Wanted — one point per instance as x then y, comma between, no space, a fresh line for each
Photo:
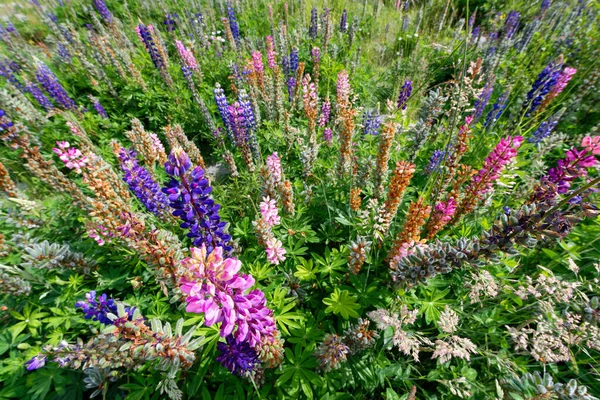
313,31
98,308
371,121
497,110
542,86
36,362
223,108
435,161
511,24
545,129
235,29
405,93
344,21
103,10
52,86
39,96
189,194
239,358
483,99
142,184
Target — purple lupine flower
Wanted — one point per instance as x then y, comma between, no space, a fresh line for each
542,86
511,24
36,362
186,55
99,109
238,124
53,17
11,29
171,21
239,358
328,135
285,62
483,99
325,113
189,195
146,37
435,161
247,111
545,5
291,83
235,29
103,11
63,53
313,31
98,308
39,96
8,68
294,61
344,21
471,22
142,184
573,166
545,129
371,121
475,33
316,55
223,108
50,83
497,110
405,93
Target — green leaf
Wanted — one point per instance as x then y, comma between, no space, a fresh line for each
342,303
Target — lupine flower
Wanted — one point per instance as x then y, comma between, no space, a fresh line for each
271,54
497,110
71,156
511,24
561,83
145,35
274,164
8,68
435,161
371,121
275,251
313,31
39,96
53,87
543,85
442,215
239,358
591,144
325,113
235,29
574,165
36,362
189,194
99,109
344,21
448,321
331,352
186,55
483,99
171,21
316,55
142,184
223,108
269,212
404,95
215,288
247,111
63,53
98,308
545,129
328,135
103,10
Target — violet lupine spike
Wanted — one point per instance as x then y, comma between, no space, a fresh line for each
248,112
313,31
223,108
146,37
543,85
142,184
52,86
497,109
233,24
294,61
483,99
545,129
171,21
239,358
215,288
371,121
435,161
573,166
189,195
103,11
511,24
405,93
344,21
325,113
8,68
99,108
39,96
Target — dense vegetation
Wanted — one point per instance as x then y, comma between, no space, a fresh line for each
237,199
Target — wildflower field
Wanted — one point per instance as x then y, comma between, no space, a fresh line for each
302,199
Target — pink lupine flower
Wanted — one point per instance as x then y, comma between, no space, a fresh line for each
325,113
71,156
186,55
275,251
494,164
269,212
343,89
591,144
328,135
271,62
445,210
274,165
565,76
215,288
257,62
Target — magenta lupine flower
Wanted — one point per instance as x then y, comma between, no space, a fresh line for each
269,212
328,135
275,251
325,113
71,156
562,81
186,55
217,290
99,233
494,164
591,144
271,61
274,165
444,211
257,62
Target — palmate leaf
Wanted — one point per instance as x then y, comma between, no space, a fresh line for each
289,320
342,303
300,370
